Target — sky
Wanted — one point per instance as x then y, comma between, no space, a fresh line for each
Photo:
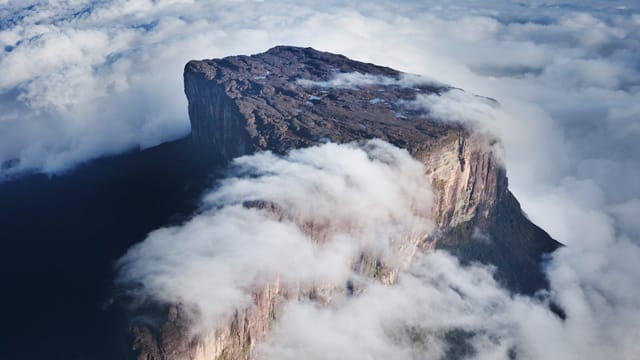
84,79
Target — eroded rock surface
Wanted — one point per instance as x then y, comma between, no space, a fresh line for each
292,97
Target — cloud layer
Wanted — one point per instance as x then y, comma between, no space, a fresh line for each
215,260
419,318
87,78
82,79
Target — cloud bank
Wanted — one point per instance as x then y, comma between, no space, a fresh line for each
259,224
83,79
434,305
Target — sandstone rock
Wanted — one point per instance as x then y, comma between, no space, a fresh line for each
289,97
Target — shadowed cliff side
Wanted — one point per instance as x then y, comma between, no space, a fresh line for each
61,234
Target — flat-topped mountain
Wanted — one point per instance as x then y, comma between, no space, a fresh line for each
290,97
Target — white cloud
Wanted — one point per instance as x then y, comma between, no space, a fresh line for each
82,79
355,80
214,260
411,319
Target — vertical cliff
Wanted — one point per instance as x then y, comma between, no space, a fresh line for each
292,97
228,135
479,218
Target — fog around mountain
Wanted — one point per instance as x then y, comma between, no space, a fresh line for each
85,79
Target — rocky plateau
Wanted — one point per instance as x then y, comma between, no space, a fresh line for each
291,97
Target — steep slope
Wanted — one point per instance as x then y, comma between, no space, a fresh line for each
292,97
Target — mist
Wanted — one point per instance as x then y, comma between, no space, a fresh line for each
294,233
85,79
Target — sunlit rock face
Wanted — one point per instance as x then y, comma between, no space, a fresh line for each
289,98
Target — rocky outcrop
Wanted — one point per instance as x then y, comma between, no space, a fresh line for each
292,97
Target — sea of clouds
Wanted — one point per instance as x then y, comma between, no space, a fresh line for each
83,79
351,199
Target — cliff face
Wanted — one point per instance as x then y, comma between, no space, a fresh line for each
478,217
295,97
